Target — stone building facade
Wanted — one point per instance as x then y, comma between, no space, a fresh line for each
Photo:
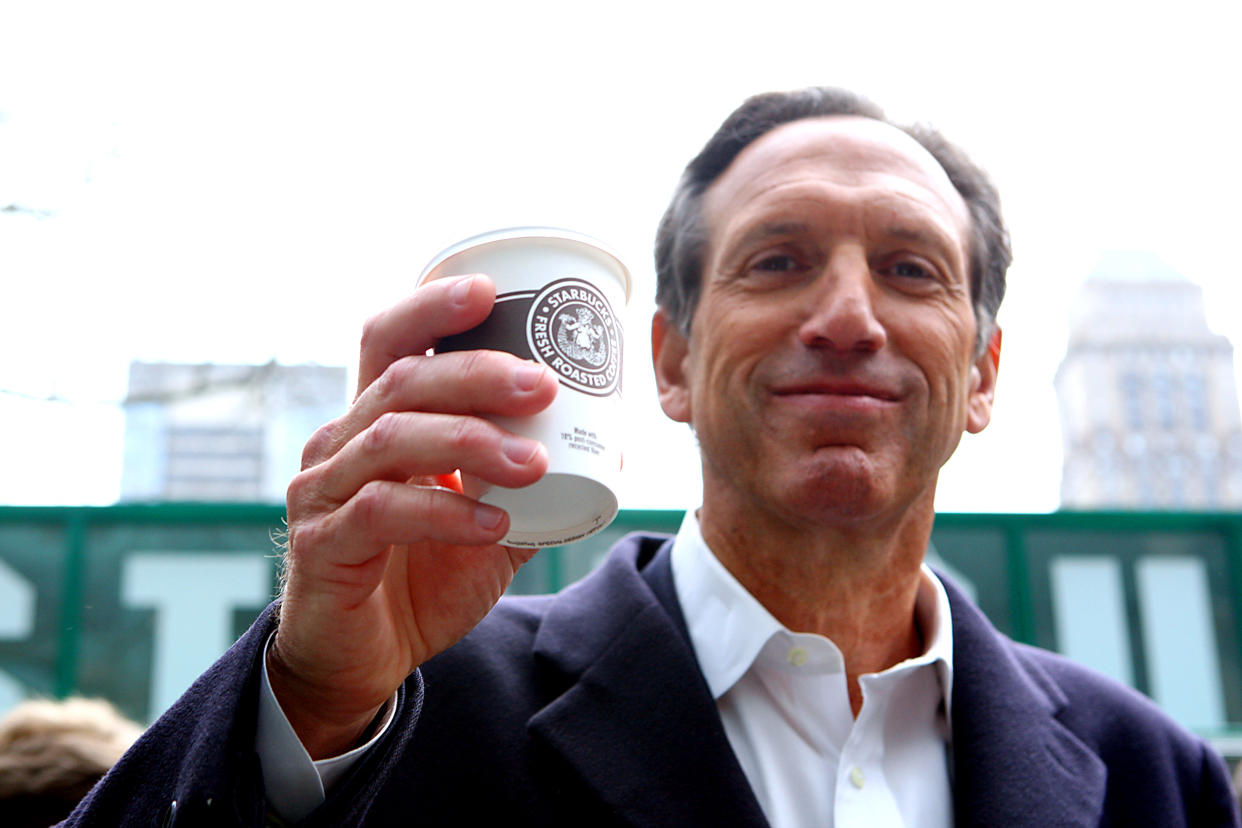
222,432
1148,400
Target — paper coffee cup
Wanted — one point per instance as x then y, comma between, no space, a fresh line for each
559,295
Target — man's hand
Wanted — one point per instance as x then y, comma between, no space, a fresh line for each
388,565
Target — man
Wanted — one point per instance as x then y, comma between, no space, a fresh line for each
827,291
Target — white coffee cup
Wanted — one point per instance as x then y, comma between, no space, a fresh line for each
559,295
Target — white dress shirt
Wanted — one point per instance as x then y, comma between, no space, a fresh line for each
293,783
786,711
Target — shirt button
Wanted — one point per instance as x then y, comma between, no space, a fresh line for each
797,656
856,777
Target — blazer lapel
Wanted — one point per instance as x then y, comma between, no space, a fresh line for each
638,722
639,726
1014,763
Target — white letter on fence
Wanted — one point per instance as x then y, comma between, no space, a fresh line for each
193,595
17,609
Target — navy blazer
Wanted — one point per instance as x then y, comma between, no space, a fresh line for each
588,708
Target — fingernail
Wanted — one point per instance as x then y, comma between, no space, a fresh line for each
527,376
518,450
460,292
487,517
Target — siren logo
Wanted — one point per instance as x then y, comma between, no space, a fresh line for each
572,329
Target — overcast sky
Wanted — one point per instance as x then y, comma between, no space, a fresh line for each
236,182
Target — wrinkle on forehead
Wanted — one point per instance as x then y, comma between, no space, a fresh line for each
847,151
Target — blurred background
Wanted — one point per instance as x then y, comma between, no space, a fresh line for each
200,204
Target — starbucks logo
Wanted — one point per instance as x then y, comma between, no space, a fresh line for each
571,328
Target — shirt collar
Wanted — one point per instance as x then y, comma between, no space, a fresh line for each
729,627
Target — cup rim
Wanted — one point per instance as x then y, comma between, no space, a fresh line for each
529,232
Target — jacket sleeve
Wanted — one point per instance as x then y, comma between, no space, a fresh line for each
196,765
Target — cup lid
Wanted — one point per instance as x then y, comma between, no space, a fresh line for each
531,232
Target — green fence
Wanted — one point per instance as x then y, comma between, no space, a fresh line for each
131,602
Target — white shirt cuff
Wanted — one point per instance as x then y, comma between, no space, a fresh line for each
296,785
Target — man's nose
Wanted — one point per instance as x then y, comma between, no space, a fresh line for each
841,312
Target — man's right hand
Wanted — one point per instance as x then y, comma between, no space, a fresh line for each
387,566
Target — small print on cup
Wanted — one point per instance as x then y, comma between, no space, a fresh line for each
559,295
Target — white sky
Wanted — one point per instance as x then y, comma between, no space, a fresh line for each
236,182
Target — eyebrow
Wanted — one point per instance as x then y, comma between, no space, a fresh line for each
767,230
900,232
931,236
903,232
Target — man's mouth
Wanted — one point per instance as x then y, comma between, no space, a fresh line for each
838,388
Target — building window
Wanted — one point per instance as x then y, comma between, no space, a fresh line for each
1162,391
1195,394
213,463
1132,399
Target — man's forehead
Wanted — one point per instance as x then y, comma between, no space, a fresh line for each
849,146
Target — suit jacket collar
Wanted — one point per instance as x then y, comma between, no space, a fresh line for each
670,762
1015,764
638,724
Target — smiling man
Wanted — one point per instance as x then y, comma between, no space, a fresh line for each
828,372
828,284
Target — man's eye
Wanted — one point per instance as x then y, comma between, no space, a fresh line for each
911,270
777,264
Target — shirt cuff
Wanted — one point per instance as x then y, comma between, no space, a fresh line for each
295,784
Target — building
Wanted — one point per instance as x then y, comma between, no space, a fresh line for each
1149,405
222,432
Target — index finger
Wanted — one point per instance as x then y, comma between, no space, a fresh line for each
413,326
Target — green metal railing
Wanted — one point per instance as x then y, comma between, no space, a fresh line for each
69,623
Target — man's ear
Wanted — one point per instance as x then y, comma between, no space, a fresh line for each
983,385
669,352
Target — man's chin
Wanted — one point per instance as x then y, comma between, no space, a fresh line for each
847,492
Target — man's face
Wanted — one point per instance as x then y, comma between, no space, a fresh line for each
829,371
